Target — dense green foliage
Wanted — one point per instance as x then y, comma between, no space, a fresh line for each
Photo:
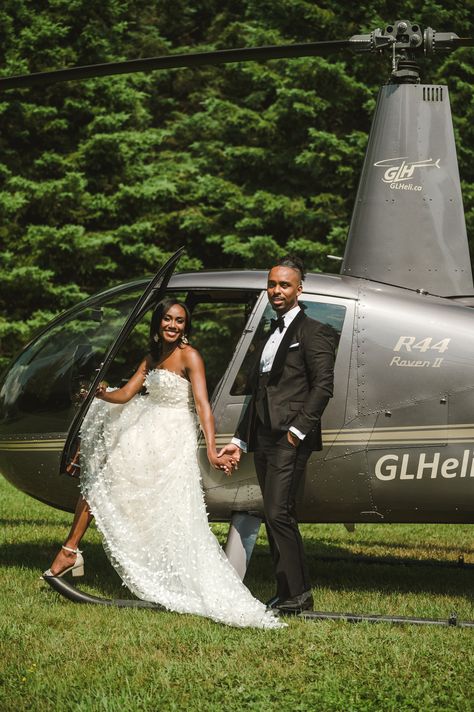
100,180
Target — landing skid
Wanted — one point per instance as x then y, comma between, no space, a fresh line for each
452,621
76,596
73,594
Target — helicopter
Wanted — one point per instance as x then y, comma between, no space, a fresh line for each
398,432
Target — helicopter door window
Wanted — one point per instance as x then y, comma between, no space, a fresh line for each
327,313
217,328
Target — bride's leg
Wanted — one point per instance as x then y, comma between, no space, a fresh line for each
65,559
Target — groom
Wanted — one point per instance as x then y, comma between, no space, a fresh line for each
291,384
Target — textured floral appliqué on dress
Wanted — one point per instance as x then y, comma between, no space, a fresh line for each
140,475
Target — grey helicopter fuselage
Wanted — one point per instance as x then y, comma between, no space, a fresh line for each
397,434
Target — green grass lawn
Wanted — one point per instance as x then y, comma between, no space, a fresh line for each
61,656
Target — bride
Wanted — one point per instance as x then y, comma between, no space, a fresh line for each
140,479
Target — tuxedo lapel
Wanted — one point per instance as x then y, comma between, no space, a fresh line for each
280,356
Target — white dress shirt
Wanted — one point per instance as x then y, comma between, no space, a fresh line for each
267,358
274,341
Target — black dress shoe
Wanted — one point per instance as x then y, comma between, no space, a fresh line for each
297,604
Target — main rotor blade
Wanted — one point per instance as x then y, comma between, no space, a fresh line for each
463,42
173,61
449,41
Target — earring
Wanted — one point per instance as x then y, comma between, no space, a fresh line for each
184,339
156,338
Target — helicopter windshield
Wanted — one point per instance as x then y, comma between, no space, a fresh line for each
45,386
49,375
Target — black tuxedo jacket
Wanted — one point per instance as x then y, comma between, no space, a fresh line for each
300,382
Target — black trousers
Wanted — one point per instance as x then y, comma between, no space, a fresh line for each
280,468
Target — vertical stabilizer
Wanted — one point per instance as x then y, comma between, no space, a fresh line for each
408,223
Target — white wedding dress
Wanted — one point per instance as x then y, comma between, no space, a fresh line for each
141,478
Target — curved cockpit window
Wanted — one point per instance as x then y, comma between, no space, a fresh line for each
43,386
46,380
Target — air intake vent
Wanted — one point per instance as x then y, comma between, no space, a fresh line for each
432,93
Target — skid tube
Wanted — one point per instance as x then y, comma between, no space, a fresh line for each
73,594
76,596
452,621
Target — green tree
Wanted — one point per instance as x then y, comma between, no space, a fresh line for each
101,180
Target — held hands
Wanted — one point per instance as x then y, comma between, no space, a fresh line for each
221,462
227,459
230,454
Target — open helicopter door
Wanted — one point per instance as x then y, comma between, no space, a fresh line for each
152,295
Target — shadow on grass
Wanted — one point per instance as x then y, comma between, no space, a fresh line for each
371,543
340,571
99,572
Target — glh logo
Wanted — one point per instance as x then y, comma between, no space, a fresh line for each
399,171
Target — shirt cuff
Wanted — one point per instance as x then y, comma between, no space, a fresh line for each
239,443
297,432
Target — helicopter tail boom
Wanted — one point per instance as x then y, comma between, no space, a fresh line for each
408,226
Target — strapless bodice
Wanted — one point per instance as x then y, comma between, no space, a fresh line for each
169,389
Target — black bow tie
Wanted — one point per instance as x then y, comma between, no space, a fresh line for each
278,323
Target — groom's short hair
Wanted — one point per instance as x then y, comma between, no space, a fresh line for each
294,262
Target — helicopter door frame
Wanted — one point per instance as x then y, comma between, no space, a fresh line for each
226,412
241,492
153,292
223,398
241,347
239,354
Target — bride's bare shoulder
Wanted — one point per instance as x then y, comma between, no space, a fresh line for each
190,355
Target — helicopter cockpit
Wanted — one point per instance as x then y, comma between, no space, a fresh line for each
53,373
48,386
